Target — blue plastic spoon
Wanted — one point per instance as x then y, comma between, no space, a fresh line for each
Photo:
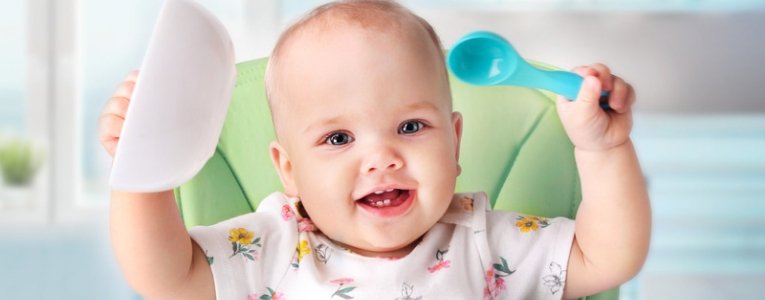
485,58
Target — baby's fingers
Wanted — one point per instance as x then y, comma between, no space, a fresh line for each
116,106
601,71
124,90
113,115
585,71
109,128
622,96
604,75
132,75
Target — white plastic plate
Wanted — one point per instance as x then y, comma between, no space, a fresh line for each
179,102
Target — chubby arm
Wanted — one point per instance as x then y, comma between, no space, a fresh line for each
613,222
154,250
151,244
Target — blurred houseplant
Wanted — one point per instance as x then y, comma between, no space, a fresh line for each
19,161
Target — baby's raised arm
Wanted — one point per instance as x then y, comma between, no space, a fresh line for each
153,248
613,222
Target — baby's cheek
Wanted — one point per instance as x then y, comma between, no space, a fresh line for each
319,210
444,160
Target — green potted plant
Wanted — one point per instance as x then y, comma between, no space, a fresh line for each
19,161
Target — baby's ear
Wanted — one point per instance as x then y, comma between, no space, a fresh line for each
283,165
457,124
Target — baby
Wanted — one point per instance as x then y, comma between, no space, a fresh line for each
368,153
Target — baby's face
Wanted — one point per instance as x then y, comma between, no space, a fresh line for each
368,139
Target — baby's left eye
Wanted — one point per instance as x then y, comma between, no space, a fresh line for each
410,127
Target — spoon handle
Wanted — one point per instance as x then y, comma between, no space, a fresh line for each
568,84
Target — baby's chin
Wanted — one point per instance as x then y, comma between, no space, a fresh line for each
393,250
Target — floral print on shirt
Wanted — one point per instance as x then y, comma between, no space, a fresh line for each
303,249
406,292
242,243
441,262
271,295
531,223
555,277
323,253
467,203
306,225
342,292
287,213
495,281
210,259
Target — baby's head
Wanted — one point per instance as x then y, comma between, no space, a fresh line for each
366,135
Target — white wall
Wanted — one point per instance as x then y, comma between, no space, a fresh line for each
679,62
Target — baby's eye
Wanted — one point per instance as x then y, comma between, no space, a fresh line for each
410,127
338,139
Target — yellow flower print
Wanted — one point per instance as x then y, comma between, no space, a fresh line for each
531,223
241,236
526,224
303,249
245,243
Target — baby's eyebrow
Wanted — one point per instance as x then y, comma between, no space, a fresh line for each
323,123
426,105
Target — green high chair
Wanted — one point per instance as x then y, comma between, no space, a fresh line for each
513,148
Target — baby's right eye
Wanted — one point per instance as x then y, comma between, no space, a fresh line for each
338,139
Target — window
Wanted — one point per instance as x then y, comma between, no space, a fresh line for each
12,79
113,36
21,181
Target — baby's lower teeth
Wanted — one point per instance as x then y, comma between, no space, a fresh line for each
385,202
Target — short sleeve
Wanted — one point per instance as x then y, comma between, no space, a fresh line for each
250,253
530,253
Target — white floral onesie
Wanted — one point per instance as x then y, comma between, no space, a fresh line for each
470,253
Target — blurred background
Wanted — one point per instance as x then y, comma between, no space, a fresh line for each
697,65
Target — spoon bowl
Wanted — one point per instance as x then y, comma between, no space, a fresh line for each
485,58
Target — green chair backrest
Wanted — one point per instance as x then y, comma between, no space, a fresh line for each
513,148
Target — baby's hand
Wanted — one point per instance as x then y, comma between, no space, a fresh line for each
113,115
590,127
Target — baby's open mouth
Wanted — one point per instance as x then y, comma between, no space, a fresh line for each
387,198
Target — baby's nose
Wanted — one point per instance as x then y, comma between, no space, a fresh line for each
383,159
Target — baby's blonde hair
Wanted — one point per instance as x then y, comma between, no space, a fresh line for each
382,15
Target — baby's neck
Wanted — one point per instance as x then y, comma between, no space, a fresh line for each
393,254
